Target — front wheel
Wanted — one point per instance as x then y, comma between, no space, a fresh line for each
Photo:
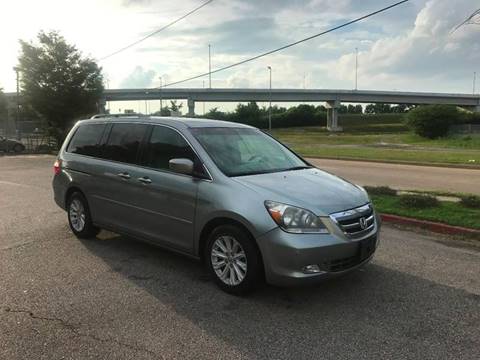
79,217
233,260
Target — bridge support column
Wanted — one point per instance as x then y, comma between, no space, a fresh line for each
332,115
101,105
191,107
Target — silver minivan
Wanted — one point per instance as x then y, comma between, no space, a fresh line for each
225,193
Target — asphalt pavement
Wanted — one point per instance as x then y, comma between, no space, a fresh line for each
404,177
115,298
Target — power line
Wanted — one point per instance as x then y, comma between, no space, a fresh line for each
156,31
289,45
471,20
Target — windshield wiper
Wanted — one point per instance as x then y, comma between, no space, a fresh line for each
299,168
246,173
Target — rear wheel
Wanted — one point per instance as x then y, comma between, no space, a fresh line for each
79,217
233,260
18,148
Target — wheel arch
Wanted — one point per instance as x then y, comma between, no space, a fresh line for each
218,221
72,189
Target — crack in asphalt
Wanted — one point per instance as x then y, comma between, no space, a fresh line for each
72,328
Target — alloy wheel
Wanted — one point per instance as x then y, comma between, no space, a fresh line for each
77,215
229,260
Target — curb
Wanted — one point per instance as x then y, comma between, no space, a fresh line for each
430,225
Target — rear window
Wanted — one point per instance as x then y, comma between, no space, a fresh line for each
86,140
124,142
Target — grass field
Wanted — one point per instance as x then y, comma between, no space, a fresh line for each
381,138
450,213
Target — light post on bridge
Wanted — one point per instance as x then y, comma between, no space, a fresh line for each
270,105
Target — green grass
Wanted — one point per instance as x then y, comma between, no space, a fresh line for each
368,138
447,212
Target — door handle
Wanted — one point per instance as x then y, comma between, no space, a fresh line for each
145,180
124,175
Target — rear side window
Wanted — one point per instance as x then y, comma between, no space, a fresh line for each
166,144
86,140
124,142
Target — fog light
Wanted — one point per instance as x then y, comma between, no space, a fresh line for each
311,269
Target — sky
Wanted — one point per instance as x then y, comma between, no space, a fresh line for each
409,48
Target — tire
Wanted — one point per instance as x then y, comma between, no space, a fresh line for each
239,256
17,148
79,218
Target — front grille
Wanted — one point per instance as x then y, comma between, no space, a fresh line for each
355,222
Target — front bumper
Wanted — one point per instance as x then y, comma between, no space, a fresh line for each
286,255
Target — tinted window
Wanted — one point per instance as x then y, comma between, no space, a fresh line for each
124,142
166,144
86,140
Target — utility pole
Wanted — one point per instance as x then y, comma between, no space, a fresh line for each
209,66
474,82
17,118
161,105
356,68
270,106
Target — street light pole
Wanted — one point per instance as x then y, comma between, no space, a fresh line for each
203,86
270,105
356,68
209,66
474,82
17,118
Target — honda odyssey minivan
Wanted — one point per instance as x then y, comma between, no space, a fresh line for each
225,193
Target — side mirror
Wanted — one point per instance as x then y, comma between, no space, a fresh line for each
181,166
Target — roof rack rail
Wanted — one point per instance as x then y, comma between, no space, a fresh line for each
105,116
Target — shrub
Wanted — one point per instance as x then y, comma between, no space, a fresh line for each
380,190
433,121
470,201
418,201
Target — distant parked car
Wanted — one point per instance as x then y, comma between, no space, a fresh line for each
8,145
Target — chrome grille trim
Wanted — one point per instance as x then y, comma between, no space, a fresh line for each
349,221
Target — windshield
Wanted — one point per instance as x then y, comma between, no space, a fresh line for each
238,151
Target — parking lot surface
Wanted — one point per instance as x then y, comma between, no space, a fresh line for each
115,298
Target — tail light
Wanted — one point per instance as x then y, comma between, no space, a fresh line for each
57,166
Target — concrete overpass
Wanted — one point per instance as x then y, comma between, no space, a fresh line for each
332,98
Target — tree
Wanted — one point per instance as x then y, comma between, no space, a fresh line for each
58,82
174,106
433,121
216,114
3,103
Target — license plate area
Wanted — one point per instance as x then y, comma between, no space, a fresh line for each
367,247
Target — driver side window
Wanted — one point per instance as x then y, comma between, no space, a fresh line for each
166,144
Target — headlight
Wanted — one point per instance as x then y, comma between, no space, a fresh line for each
295,220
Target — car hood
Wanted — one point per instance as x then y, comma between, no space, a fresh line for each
311,189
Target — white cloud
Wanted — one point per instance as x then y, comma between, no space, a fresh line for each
139,78
407,48
426,57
